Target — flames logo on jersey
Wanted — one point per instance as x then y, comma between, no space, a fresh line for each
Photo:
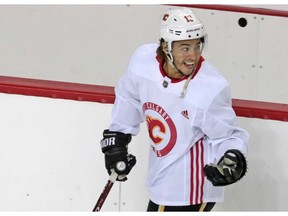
154,124
161,129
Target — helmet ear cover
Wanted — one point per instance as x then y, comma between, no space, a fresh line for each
164,46
164,50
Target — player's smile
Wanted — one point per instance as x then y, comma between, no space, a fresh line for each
188,66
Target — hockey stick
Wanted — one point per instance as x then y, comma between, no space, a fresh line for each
106,191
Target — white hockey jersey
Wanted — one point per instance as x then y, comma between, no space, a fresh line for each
185,133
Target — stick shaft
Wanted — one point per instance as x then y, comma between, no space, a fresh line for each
105,191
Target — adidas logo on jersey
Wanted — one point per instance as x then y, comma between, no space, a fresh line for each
185,114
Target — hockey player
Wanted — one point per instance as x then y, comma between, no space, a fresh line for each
196,145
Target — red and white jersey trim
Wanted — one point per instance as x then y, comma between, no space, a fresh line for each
197,174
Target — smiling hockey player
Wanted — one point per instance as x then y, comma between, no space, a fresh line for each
196,145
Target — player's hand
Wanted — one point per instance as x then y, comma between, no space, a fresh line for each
114,146
230,169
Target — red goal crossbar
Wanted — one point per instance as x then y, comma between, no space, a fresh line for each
105,94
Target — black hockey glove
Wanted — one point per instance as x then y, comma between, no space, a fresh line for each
230,169
114,146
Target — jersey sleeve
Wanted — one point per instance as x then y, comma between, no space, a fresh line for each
220,126
127,110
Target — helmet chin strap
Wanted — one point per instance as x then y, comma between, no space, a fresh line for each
171,62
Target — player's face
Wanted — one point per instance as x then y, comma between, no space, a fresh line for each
186,54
